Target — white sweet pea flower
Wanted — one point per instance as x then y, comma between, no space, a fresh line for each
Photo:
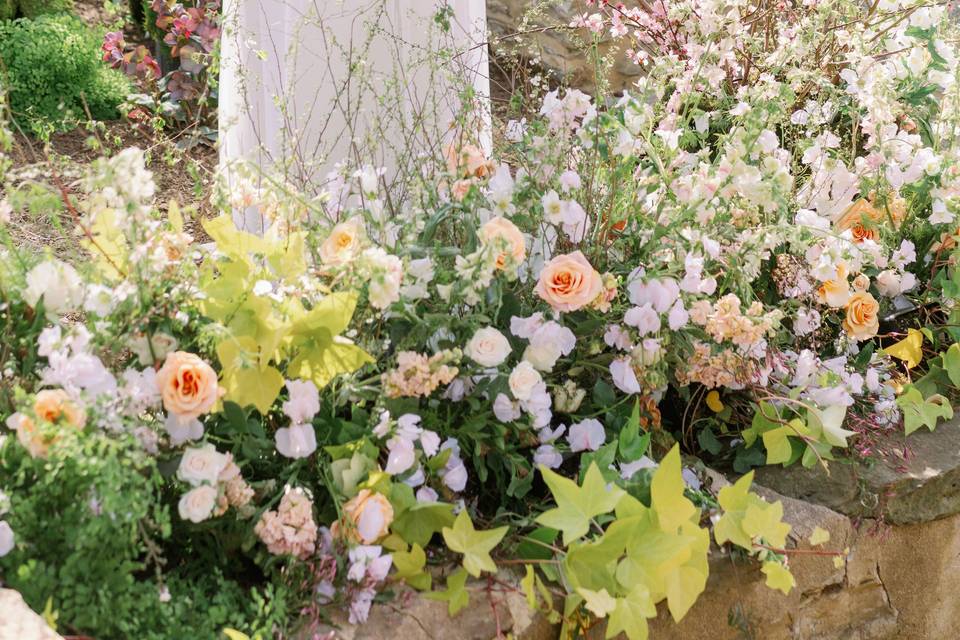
296,441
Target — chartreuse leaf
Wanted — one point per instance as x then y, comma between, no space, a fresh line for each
107,244
951,362
777,441
324,362
233,634
244,380
748,517
577,506
910,349
174,217
474,545
819,536
666,492
456,595
599,603
410,564
920,412
631,613
778,576
328,317
231,242
827,425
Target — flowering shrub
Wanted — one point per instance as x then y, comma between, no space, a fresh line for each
751,253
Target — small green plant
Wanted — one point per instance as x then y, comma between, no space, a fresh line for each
52,69
36,8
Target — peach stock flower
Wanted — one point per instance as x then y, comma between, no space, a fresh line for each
568,282
188,385
862,321
344,243
501,229
367,516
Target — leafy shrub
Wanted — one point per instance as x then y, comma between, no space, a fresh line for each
52,66
8,9
36,8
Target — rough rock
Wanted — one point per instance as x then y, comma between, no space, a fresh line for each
19,622
924,488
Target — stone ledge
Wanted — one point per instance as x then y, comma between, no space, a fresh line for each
19,622
925,488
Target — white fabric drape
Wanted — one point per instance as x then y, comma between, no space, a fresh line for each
307,83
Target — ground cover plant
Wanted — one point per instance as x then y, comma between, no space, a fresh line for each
500,360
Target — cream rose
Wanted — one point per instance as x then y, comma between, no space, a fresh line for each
523,380
501,229
188,385
197,504
201,465
835,292
344,243
862,321
568,282
370,515
488,347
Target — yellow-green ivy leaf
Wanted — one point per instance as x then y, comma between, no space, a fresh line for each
232,242
910,349
107,244
599,603
631,613
777,441
456,595
747,516
259,387
474,545
410,564
329,317
819,536
778,577
829,422
576,506
922,412
528,585
174,217
324,362
233,634
666,492
684,586
951,362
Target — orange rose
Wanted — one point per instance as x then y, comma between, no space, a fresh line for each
53,404
835,292
367,517
344,243
862,321
854,215
502,229
569,282
188,385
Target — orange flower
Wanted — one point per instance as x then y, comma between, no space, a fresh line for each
467,161
52,404
188,385
862,321
854,215
500,228
568,282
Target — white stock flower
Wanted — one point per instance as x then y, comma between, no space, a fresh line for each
58,284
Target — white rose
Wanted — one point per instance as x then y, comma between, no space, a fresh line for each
201,465
197,504
488,347
888,283
58,284
523,380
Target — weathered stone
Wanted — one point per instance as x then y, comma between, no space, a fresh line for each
924,488
19,622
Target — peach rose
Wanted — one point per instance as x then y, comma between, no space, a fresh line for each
467,161
501,229
368,516
188,385
53,404
344,243
835,292
854,215
461,188
862,321
36,444
568,282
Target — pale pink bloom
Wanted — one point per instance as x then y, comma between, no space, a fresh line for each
617,336
201,465
524,328
401,455
623,375
197,504
548,456
430,442
296,441
678,317
505,409
304,402
7,539
586,435
645,319
182,429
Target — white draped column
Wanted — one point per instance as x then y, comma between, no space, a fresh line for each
305,84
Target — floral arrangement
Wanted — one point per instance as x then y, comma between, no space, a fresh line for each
750,256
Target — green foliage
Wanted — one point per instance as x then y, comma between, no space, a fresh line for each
262,332
36,8
474,545
53,69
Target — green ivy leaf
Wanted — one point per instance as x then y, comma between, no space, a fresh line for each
456,595
631,613
418,523
919,412
666,492
410,564
474,545
778,576
576,506
951,362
